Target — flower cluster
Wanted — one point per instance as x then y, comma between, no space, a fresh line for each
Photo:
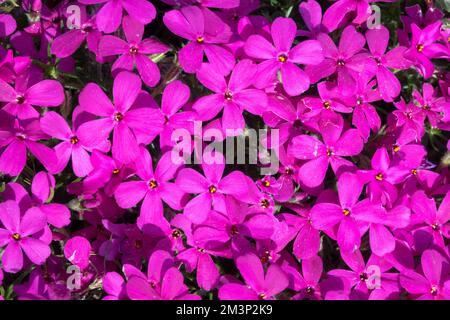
95,96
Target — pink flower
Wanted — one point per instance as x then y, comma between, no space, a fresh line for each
17,236
280,56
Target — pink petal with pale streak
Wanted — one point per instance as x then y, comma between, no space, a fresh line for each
388,84
172,284
176,94
267,74
12,258
81,162
148,70
78,250
10,215
139,289
195,18
311,13
141,10
351,42
260,226
434,265
128,194
109,17
94,100
348,235
243,75
336,13
191,57
307,52
172,195
283,32
126,88
326,215
252,271
57,214
233,291
151,46
211,79
176,22
33,221
313,172
113,284
349,144
111,46
7,93
276,280
133,29
55,126
232,118
414,283
295,80
381,240
380,160
48,93
207,273
209,106
252,100
125,147
377,40
192,181
306,147
13,158
235,183
94,133
307,243
258,47
146,121
67,43
198,208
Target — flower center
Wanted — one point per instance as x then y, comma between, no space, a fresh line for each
266,257
310,290
228,95
16,236
21,137
116,172
346,212
262,296
359,101
379,177
435,227
265,203
378,61
282,58
200,40
363,276
341,62
420,47
20,99
176,233
118,117
201,250
153,184
212,189
396,148
414,172
327,105
74,140
134,50
266,183
288,171
330,152
434,290
234,230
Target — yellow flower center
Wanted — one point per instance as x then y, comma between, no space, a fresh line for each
282,58
419,47
74,140
153,184
200,40
212,189
16,236
379,177
346,212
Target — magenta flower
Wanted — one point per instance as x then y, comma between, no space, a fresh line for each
55,126
388,84
233,97
206,32
280,56
153,187
319,154
17,236
338,10
134,52
348,60
434,284
125,122
77,250
18,137
109,17
432,104
67,43
210,188
7,25
348,214
259,285
21,99
311,13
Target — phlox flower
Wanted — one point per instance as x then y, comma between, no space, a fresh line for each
125,122
311,13
281,56
133,52
17,235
